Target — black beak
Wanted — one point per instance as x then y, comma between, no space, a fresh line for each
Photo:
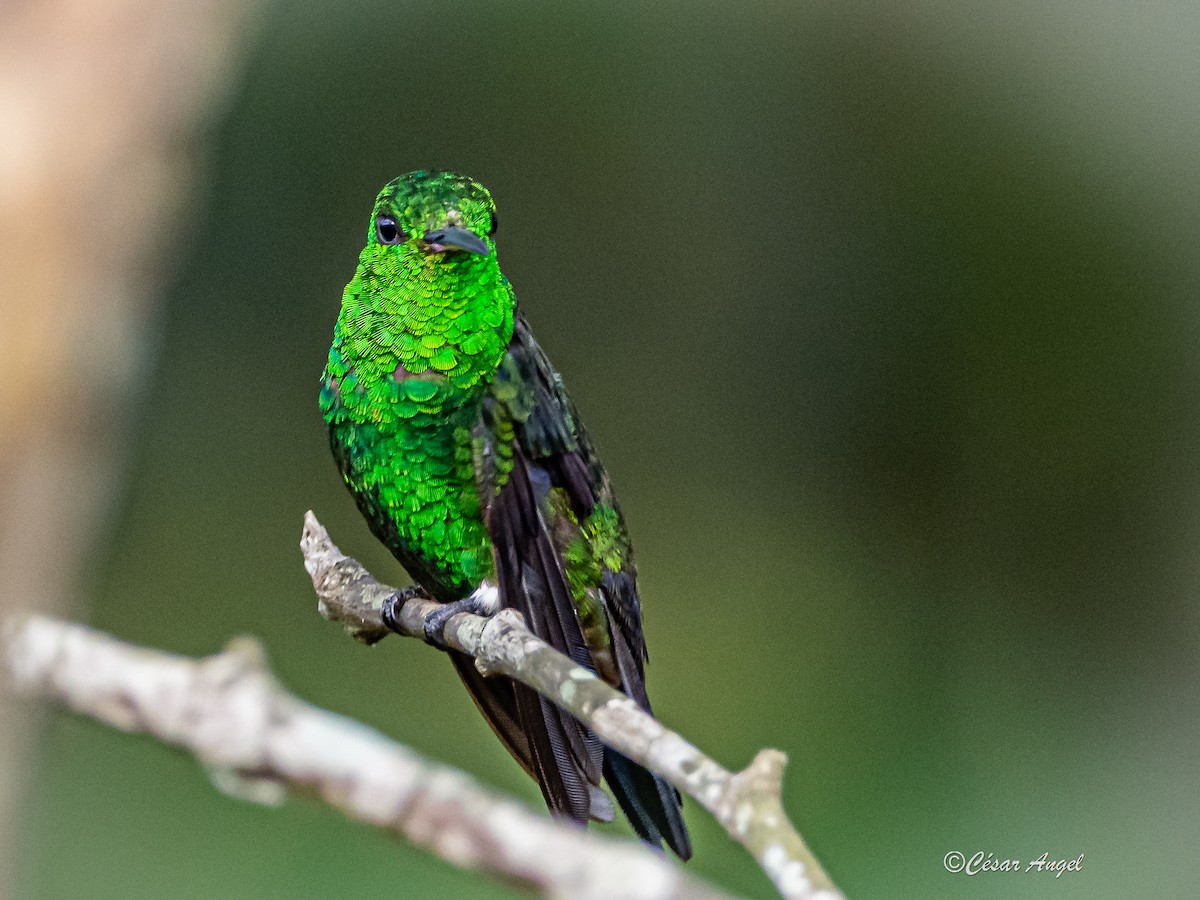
453,237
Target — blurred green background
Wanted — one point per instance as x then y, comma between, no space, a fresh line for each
883,317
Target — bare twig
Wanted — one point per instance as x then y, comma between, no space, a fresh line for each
259,742
747,804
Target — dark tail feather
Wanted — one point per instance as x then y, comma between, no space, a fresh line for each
496,700
542,750
652,806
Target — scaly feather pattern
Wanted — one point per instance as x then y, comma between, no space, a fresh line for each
467,457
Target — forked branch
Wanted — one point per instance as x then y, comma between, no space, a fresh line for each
747,803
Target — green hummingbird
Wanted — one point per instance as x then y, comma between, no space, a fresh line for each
467,457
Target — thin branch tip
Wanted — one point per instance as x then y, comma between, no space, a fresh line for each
766,770
247,651
314,532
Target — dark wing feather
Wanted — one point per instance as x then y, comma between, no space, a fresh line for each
548,448
566,756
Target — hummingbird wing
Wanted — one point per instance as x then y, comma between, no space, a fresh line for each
563,560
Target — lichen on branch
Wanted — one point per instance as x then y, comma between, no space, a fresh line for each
260,743
747,804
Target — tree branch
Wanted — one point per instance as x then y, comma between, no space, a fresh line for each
259,742
748,804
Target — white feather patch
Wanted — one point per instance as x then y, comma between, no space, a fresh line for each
486,599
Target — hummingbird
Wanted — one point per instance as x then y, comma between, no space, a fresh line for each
468,459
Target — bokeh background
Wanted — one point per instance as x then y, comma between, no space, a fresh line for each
883,317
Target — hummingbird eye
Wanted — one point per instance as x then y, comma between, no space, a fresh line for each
495,224
388,231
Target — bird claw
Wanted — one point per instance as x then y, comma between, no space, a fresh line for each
390,611
483,601
435,622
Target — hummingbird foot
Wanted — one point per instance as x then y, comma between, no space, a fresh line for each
483,601
390,611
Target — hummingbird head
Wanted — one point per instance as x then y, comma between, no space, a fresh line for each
434,217
428,304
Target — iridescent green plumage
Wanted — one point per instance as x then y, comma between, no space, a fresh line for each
466,456
416,345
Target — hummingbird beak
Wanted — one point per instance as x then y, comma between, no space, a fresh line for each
452,237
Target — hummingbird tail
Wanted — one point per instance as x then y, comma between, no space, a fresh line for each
652,806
